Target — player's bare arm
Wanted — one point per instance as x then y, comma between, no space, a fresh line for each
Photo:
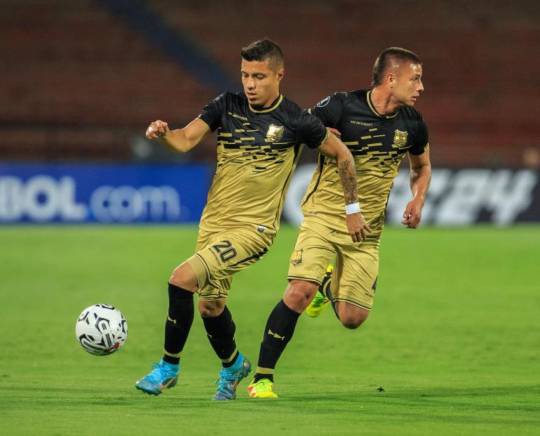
181,140
420,176
356,224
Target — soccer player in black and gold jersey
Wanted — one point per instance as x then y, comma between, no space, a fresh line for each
380,126
259,134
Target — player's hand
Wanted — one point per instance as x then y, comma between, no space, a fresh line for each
157,129
335,131
357,227
412,214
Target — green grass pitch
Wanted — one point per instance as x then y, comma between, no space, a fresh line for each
453,340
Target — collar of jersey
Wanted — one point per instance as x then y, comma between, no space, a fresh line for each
270,109
372,107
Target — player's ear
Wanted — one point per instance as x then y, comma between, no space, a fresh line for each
280,73
391,79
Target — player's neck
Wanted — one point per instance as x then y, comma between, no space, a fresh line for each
383,102
268,103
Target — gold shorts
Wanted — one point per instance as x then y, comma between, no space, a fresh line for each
356,265
219,255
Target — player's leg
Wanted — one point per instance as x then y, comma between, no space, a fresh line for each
182,285
350,315
281,324
307,264
328,288
322,297
278,332
215,265
353,285
220,330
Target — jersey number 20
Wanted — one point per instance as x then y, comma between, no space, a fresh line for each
225,250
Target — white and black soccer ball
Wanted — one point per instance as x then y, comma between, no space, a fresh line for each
101,329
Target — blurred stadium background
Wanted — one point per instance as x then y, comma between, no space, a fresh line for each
81,80
452,347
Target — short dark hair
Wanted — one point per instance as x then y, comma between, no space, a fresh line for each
261,50
387,55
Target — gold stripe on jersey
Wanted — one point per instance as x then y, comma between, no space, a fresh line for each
240,117
298,153
376,168
250,183
237,148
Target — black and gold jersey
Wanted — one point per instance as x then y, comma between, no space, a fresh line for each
378,144
257,151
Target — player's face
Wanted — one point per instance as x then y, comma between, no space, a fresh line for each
407,83
260,81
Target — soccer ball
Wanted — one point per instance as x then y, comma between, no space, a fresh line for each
101,329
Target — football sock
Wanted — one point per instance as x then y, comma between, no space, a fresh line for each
277,334
220,331
178,324
259,376
334,307
232,361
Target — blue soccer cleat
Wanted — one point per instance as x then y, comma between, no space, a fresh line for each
164,375
230,377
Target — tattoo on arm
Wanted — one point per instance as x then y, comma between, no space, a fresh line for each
347,174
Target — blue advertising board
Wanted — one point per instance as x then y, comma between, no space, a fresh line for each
456,197
123,194
37,193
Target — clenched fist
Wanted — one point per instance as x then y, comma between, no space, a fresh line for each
157,129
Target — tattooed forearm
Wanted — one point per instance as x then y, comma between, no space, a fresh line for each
347,174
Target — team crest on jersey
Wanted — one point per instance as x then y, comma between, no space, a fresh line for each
274,133
400,138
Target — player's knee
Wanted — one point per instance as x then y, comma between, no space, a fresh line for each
353,320
211,308
299,294
351,323
184,277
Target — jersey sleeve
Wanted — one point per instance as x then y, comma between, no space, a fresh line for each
213,111
311,130
421,139
329,109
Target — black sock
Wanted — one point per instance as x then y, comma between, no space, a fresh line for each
178,322
220,331
259,376
326,290
277,334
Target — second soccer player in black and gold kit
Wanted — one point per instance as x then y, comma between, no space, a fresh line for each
380,126
259,135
